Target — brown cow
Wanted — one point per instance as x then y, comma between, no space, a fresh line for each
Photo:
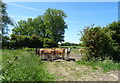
60,52
81,51
53,53
47,53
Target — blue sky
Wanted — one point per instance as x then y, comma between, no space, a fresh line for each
79,14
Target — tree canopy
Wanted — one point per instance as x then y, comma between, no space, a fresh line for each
50,27
5,19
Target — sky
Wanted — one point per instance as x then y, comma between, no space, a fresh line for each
79,14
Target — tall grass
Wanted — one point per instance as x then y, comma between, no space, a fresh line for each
19,65
106,65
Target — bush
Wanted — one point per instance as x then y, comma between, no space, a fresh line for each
98,43
21,41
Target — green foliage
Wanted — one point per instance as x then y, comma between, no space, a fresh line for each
115,34
19,65
115,30
5,19
54,24
20,41
49,43
65,44
5,42
69,44
50,29
80,44
107,65
98,43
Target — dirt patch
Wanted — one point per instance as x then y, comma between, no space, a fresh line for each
70,71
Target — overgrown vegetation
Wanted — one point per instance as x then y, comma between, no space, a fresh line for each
19,65
101,42
107,65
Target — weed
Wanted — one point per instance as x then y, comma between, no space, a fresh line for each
18,65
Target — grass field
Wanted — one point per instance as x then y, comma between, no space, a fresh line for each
106,65
19,65
73,46
75,51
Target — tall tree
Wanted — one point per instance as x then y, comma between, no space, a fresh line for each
55,24
5,19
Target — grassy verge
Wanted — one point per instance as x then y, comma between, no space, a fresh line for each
106,65
18,65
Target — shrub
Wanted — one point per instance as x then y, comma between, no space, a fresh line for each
98,43
20,41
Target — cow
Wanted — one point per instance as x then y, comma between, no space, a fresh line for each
36,50
81,51
47,53
67,52
60,52
53,53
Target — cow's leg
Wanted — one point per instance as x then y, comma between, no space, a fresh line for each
45,56
41,56
80,54
63,56
57,56
67,56
50,57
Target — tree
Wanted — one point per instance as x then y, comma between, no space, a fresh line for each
5,19
24,27
66,44
55,24
50,27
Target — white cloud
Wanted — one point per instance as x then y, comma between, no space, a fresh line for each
22,17
13,4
